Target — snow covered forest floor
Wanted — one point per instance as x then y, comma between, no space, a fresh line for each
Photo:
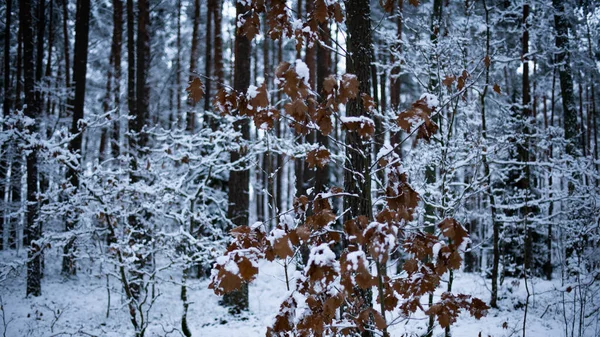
77,307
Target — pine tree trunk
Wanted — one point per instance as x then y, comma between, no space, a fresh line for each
357,175
79,73
65,15
523,147
208,56
323,70
48,71
16,163
195,52
142,65
7,85
177,118
565,75
32,226
239,180
131,91
5,112
117,43
218,41
39,58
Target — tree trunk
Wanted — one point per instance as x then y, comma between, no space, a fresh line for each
79,73
48,71
32,226
16,164
218,41
131,91
357,175
65,15
523,147
323,70
195,52
117,43
430,216
487,173
5,112
208,56
177,118
39,58
565,75
239,179
7,85
142,65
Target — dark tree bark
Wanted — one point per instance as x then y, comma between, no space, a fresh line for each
218,41
323,70
177,118
117,44
32,226
394,75
299,163
523,147
48,71
357,175
41,34
143,67
131,92
109,138
16,164
208,56
194,54
65,15
239,179
218,71
7,85
5,112
19,75
565,75
79,72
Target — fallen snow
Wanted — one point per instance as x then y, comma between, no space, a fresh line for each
78,306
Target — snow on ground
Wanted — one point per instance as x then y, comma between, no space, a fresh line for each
77,307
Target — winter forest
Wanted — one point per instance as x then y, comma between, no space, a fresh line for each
370,168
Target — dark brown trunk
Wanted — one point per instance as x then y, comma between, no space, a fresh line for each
7,85
117,43
523,147
79,72
177,118
218,41
239,179
19,75
195,50
208,56
65,15
5,112
565,75
394,57
48,71
582,120
32,227
323,70
131,91
357,175
41,32
143,67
